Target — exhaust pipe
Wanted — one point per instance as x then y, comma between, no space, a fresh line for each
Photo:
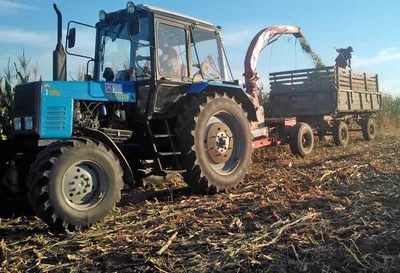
59,55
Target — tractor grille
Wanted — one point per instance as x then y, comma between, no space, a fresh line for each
25,100
54,118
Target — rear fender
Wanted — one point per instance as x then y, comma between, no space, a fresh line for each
103,138
231,90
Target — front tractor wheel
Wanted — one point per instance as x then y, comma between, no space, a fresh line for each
75,183
215,143
301,140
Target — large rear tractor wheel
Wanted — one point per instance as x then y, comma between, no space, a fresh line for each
340,134
75,183
215,142
301,140
369,129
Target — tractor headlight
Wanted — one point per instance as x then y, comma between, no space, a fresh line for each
28,123
17,124
130,7
102,15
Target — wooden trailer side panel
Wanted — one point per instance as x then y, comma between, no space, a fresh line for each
302,104
324,91
358,101
303,92
358,92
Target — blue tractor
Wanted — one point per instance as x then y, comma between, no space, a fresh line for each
172,107
160,100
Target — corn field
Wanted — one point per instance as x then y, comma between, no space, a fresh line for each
390,116
21,71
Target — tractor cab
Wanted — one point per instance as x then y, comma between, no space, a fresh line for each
162,52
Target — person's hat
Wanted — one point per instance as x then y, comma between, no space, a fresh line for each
350,49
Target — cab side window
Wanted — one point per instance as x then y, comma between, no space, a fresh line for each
172,58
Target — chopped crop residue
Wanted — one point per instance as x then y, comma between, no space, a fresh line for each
305,46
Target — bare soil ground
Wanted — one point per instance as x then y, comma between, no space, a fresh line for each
337,211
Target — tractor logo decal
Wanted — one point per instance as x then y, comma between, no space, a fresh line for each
113,88
55,93
117,96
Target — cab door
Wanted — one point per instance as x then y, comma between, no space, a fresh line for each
172,69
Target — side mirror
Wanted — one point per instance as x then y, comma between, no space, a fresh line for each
71,37
133,20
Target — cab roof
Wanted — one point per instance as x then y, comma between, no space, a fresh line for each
176,15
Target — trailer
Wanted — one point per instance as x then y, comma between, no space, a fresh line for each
333,100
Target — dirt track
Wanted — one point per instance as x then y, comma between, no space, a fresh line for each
338,211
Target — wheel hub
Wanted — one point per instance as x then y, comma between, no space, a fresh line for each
80,185
219,142
306,141
344,133
371,129
222,143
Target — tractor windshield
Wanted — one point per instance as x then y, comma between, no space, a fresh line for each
122,56
208,56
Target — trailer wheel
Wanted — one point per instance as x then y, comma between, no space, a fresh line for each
340,134
215,142
369,129
76,184
301,140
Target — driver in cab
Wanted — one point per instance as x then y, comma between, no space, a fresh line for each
169,60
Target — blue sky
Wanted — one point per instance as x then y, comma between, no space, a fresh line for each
369,26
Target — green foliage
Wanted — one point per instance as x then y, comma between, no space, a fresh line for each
390,115
6,98
12,76
265,101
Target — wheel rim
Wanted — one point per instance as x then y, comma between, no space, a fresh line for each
223,141
306,141
371,129
84,184
343,134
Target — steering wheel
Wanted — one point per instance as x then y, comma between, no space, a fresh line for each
142,58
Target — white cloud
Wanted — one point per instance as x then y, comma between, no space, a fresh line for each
387,51
391,86
385,55
85,39
19,36
8,6
40,45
